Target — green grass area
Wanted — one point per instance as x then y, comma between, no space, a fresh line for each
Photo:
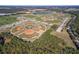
7,20
30,16
36,17
56,21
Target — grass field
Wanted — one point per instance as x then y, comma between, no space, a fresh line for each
64,36
7,20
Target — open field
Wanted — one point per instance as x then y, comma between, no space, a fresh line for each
64,36
7,20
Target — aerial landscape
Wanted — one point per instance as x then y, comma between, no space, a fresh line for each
39,29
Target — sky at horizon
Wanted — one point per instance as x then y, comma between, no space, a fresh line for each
39,2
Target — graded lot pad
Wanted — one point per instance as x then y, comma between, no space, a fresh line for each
29,29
